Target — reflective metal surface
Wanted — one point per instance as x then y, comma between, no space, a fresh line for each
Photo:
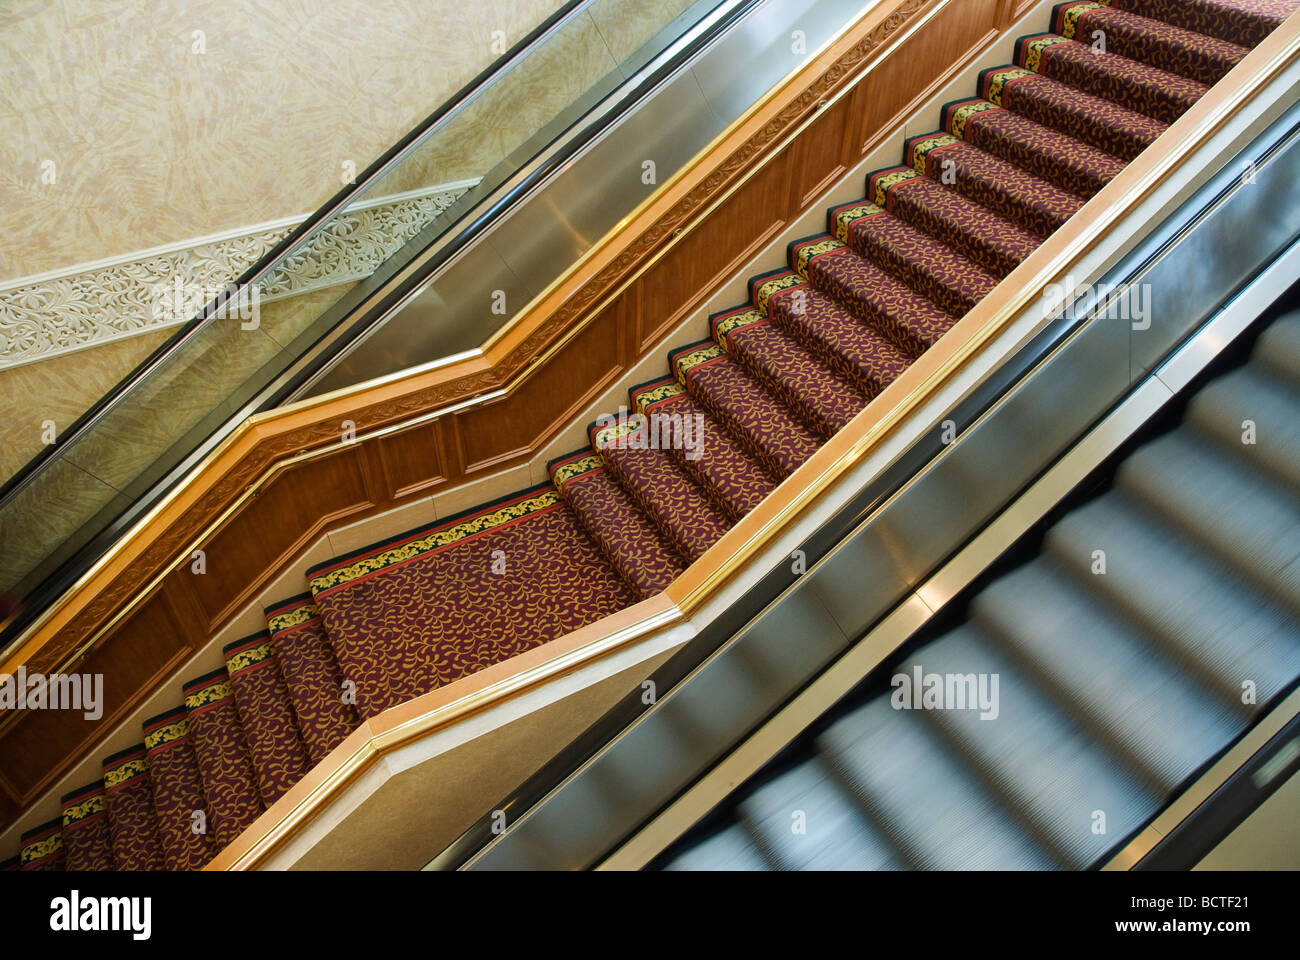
465,303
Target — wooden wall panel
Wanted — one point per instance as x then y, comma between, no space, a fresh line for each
412,461
695,253
147,649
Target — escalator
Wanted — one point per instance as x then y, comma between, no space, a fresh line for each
1156,622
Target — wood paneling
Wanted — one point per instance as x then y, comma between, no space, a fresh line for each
563,353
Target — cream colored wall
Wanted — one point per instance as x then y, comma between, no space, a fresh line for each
152,141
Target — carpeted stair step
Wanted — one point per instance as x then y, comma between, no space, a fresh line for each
642,554
774,436
128,794
1136,86
1091,120
413,612
909,319
1049,154
636,450
1244,22
1030,202
945,213
850,346
225,764
938,273
87,838
724,470
41,847
179,805
265,714
1155,42
823,400
311,675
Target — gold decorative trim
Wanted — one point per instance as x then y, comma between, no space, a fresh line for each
178,728
805,254
922,148
41,848
212,693
880,194
1070,21
293,618
1034,50
963,113
251,657
83,810
575,468
735,322
665,391
998,80
541,500
129,770
689,361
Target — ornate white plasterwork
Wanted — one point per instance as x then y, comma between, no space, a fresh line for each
89,304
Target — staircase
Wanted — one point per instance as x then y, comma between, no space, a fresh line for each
694,451
1115,686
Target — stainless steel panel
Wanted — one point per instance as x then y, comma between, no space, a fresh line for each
544,236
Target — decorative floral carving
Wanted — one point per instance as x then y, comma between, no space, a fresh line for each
64,313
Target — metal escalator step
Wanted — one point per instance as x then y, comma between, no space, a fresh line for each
1250,404
1241,515
923,796
1062,779
1134,696
729,849
808,822
1202,614
1278,348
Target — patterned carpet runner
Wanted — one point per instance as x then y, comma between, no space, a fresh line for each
663,480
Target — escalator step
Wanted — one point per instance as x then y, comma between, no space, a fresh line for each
1061,779
922,796
729,849
1243,517
1278,348
808,822
1098,664
1248,397
1211,622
